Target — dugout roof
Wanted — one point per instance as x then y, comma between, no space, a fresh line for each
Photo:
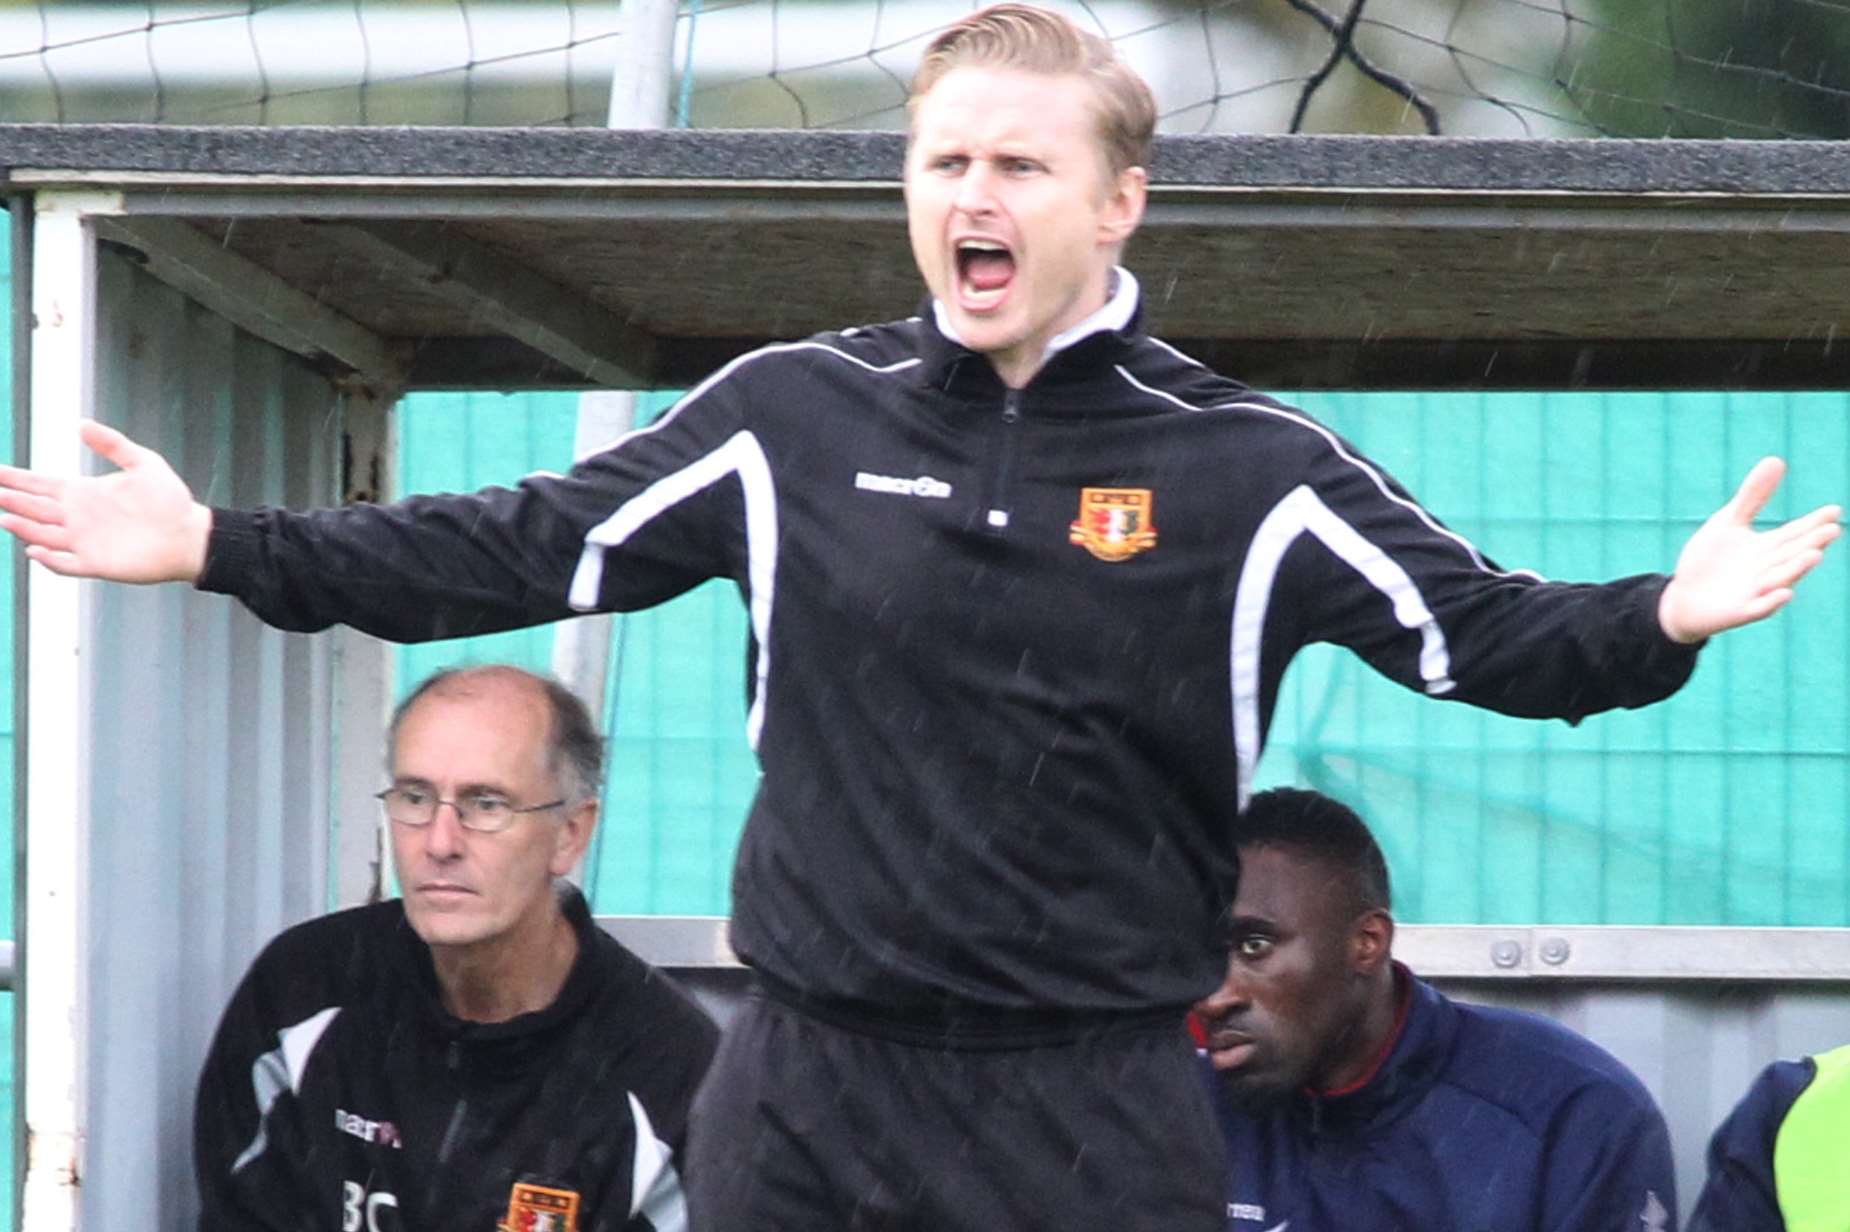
560,258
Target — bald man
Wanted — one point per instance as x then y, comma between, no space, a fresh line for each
477,1053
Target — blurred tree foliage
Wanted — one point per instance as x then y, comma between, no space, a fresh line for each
1709,68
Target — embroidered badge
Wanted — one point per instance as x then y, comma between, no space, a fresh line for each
535,1208
1114,523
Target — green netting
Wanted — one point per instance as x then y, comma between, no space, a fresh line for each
460,442
1726,805
680,773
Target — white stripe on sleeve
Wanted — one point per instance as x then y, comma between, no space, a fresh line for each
1303,511
741,455
655,1186
281,1070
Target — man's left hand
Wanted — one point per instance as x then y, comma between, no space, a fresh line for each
1729,574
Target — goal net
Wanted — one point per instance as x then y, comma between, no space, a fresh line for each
1535,68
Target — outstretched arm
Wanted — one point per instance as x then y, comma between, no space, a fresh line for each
139,523
1729,574
424,567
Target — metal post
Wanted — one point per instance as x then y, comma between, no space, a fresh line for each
58,696
581,648
644,74
20,219
640,88
363,672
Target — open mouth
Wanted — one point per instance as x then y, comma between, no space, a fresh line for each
985,269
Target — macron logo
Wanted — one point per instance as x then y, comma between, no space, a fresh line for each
924,485
383,1132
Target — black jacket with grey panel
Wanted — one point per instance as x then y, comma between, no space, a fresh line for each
1013,653
339,1093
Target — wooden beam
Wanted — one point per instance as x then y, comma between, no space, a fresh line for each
507,295
254,299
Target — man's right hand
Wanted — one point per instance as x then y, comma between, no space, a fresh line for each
136,524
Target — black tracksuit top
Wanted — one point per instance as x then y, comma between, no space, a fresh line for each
998,766
339,1093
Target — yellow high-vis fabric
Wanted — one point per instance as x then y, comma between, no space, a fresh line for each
1811,1154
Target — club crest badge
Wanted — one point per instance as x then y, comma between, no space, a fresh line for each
1114,523
535,1208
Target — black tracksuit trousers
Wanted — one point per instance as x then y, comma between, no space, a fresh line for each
808,1123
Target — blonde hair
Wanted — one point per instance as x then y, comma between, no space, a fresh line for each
1020,36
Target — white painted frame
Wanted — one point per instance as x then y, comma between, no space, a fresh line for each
54,1000
49,967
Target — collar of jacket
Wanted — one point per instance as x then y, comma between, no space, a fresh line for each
516,1035
1413,1064
1059,386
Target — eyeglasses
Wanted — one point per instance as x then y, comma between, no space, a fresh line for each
483,812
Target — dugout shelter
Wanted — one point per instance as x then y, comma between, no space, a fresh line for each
252,302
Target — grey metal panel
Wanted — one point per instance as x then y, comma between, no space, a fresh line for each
1574,954
211,764
675,940
1608,952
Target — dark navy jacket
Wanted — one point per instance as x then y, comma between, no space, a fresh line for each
1478,1120
1742,1194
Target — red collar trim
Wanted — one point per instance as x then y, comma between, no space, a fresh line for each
1403,992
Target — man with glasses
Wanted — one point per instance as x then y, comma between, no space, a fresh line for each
476,1053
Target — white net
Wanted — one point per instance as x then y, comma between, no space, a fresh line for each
1686,68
